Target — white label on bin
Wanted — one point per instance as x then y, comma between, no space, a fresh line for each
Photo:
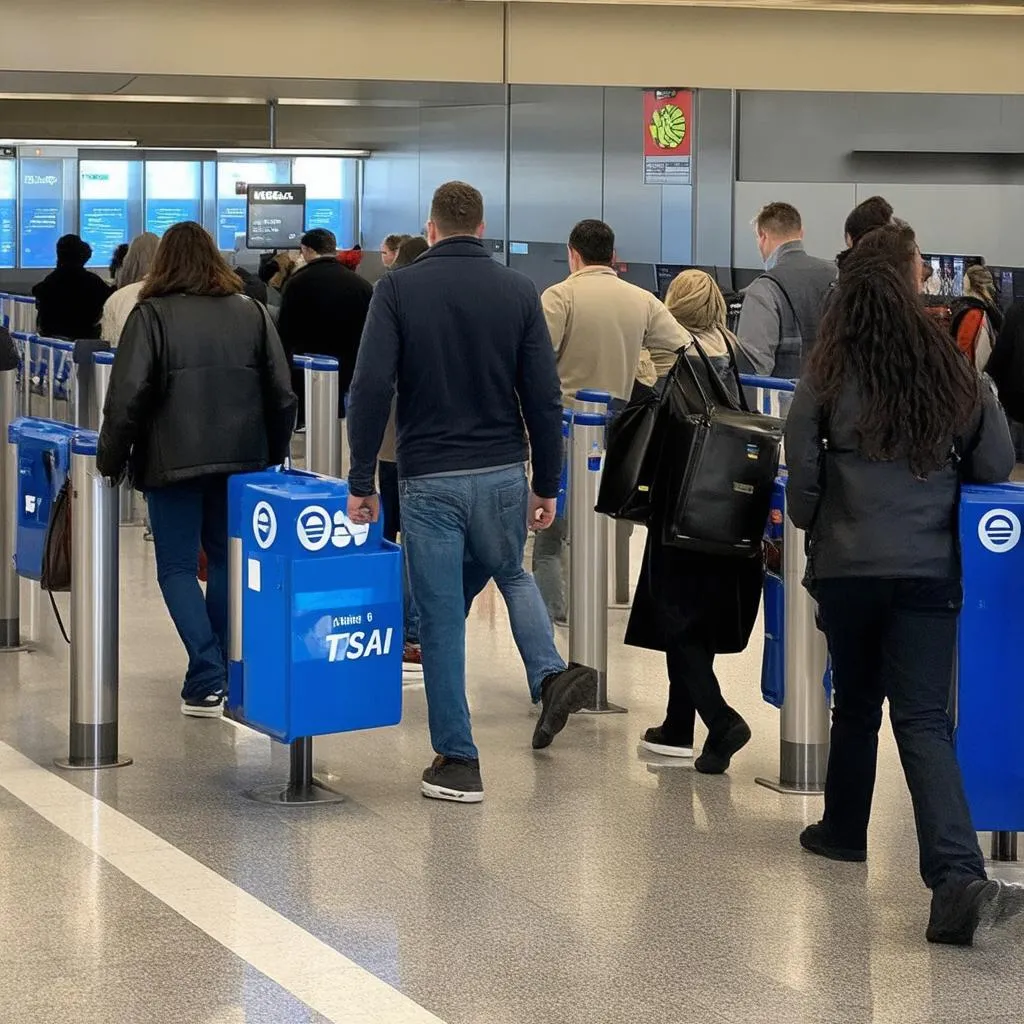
255,575
30,504
999,530
316,529
264,525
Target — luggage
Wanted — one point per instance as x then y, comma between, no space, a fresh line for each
724,460
631,461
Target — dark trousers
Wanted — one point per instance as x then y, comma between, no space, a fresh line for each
896,639
183,517
693,688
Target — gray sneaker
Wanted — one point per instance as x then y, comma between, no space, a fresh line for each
451,778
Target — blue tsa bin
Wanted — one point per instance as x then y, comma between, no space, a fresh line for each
990,703
321,610
44,459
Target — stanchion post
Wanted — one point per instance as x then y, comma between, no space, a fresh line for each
323,431
805,718
102,366
588,558
10,584
1004,847
93,741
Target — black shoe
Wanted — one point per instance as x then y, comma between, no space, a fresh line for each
816,839
957,911
657,741
455,779
720,747
562,695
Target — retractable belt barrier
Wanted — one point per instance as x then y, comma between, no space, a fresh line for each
794,673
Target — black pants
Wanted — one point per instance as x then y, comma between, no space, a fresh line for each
693,688
896,639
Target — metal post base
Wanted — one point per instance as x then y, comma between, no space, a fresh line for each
792,788
302,789
604,708
70,765
1004,847
802,769
10,637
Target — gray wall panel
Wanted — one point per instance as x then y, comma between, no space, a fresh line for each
390,196
712,215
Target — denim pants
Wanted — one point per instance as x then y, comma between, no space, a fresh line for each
391,511
896,639
183,517
461,531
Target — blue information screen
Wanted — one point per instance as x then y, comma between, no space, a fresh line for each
8,195
42,210
104,193
173,192
232,178
330,194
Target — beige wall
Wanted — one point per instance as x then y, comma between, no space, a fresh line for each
563,43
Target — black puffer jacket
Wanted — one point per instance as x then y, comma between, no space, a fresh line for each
200,386
868,518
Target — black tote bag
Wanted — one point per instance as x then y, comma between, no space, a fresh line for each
719,463
631,461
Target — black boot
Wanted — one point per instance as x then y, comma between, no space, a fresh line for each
727,735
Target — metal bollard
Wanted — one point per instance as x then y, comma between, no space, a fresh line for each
102,365
323,428
94,613
805,717
22,344
1004,847
10,584
588,555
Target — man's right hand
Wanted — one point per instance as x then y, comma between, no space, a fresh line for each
542,512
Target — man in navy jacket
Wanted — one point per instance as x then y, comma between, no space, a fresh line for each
465,342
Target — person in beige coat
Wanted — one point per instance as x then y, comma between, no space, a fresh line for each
599,326
129,280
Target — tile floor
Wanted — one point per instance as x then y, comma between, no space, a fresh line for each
593,885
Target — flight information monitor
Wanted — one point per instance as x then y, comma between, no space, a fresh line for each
173,193
42,210
947,277
275,216
106,190
8,195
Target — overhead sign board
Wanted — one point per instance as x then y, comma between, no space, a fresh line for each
275,216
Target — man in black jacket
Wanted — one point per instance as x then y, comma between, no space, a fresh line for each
466,342
323,310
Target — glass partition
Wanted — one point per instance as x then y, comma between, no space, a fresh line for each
232,177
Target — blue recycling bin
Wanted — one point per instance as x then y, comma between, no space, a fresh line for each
321,610
990,692
44,461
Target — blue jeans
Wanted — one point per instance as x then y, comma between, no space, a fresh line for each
390,509
460,532
183,517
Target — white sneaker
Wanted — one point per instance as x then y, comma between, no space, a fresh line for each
206,707
654,743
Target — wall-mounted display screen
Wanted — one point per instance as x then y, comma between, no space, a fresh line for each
42,210
109,198
947,277
8,211
232,178
275,216
173,193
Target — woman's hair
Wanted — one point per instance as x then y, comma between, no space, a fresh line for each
138,261
979,282
393,242
696,301
872,213
118,259
409,251
188,261
917,390
72,251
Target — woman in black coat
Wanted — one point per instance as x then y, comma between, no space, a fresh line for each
693,606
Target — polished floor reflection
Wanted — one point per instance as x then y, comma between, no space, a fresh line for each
593,886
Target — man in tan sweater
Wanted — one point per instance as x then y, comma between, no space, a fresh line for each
599,324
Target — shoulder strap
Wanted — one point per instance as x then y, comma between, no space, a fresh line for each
789,302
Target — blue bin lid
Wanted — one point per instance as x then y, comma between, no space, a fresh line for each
567,415
316,362
84,442
590,395
103,358
589,419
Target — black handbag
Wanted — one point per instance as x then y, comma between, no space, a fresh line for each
631,462
719,463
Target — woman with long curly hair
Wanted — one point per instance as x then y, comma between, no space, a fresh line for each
887,422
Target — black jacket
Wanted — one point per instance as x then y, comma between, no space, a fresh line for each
70,303
1006,366
200,386
465,341
323,310
878,519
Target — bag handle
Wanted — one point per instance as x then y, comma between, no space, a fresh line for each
683,360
